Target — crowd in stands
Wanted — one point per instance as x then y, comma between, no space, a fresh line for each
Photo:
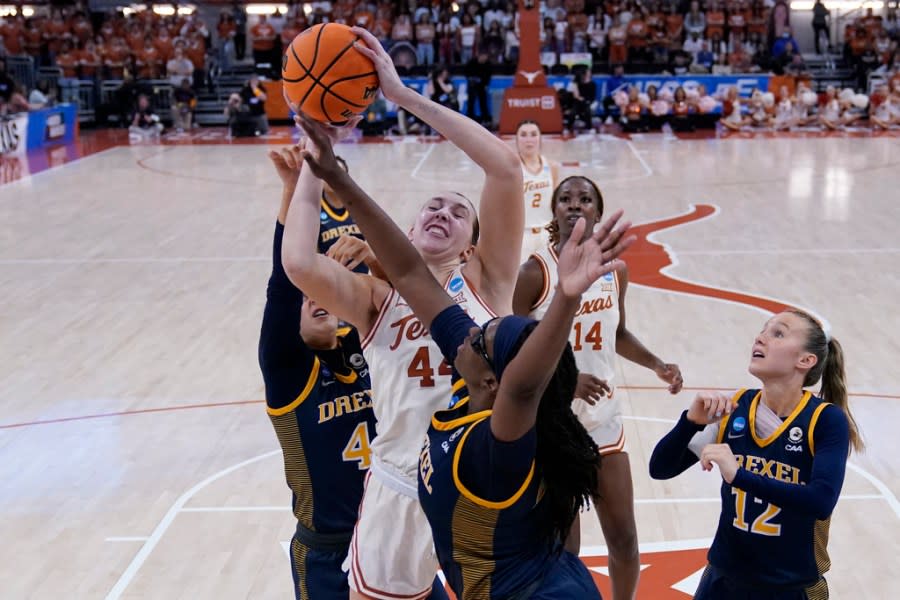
476,38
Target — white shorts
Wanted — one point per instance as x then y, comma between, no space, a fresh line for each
532,242
391,555
603,422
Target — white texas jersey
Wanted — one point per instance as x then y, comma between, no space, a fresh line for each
410,380
593,336
538,193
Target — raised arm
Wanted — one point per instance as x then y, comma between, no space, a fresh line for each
352,297
400,261
501,211
527,376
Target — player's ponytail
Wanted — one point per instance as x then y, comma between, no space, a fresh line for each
834,389
830,369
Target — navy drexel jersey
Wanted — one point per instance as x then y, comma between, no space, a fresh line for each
757,542
333,223
487,549
320,405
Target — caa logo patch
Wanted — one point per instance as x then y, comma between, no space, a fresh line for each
795,434
357,361
739,425
456,284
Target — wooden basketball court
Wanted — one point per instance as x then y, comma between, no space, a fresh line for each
138,461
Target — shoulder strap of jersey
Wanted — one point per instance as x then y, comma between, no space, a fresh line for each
310,383
465,491
723,424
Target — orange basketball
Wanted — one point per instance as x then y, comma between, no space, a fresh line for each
325,76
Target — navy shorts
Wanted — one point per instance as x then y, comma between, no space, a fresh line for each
318,574
568,579
715,585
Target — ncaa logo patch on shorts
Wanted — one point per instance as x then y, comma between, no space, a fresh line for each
456,284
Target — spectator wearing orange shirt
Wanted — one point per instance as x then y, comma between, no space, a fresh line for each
149,60
89,60
674,28
116,57
195,50
12,32
715,21
264,42
637,37
54,34
81,28
33,38
165,44
67,60
618,38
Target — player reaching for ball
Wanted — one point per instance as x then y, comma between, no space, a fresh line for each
392,555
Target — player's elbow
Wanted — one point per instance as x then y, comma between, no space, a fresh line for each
297,265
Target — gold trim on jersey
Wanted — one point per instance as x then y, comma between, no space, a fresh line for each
812,426
723,424
459,484
458,385
351,378
329,210
459,421
310,383
784,425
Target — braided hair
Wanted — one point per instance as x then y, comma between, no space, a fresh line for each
566,456
553,227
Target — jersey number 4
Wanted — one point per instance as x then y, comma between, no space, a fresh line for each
357,449
420,367
762,525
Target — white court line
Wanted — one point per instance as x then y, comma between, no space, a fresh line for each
422,160
137,259
126,539
640,158
138,561
885,492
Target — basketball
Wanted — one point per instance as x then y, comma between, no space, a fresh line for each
325,77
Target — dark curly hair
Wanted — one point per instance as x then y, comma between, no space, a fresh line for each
567,457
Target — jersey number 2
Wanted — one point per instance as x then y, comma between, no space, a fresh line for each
762,525
357,449
536,201
421,367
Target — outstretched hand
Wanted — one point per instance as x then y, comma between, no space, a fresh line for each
581,263
288,162
318,152
388,78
